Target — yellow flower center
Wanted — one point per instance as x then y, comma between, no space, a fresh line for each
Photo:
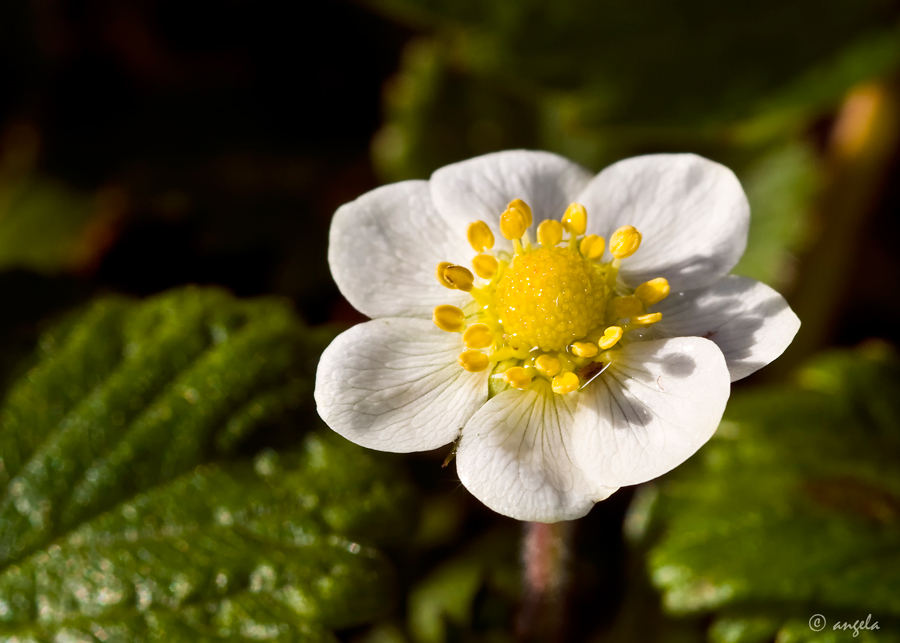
553,311
550,297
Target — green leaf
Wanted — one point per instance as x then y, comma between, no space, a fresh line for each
129,395
781,186
793,510
233,552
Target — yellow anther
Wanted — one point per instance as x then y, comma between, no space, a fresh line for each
611,337
480,236
473,361
459,277
485,266
517,377
512,223
439,273
565,383
645,320
627,306
449,318
549,233
584,349
522,207
624,242
653,291
547,365
592,246
575,219
478,336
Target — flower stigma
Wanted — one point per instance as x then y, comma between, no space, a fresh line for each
553,310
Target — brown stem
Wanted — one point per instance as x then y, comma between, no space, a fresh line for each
545,562
861,151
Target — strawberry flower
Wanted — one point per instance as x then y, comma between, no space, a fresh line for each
575,333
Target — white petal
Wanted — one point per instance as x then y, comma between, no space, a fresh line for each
650,410
692,213
482,187
516,456
384,247
395,385
751,323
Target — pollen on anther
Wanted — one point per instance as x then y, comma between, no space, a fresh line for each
524,208
485,266
518,377
459,277
480,236
547,365
584,349
625,306
624,242
653,291
549,233
592,246
575,219
512,224
449,318
474,361
478,336
439,273
564,383
611,337
645,320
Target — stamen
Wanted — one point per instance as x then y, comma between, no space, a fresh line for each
624,307
478,336
549,233
564,383
653,291
592,246
473,361
485,266
624,242
480,236
524,208
575,219
459,277
439,273
449,318
645,320
611,337
518,378
512,224
547,365
584,349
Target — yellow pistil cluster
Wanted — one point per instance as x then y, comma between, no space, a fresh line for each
553,310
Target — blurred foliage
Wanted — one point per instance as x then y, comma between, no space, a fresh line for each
793,510
658,63
472,596
600,81
46,225
108,534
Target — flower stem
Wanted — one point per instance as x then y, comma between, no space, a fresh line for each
861,152
545,563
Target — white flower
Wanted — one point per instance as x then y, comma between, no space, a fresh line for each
607,380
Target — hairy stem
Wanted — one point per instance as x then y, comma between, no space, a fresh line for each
545,563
